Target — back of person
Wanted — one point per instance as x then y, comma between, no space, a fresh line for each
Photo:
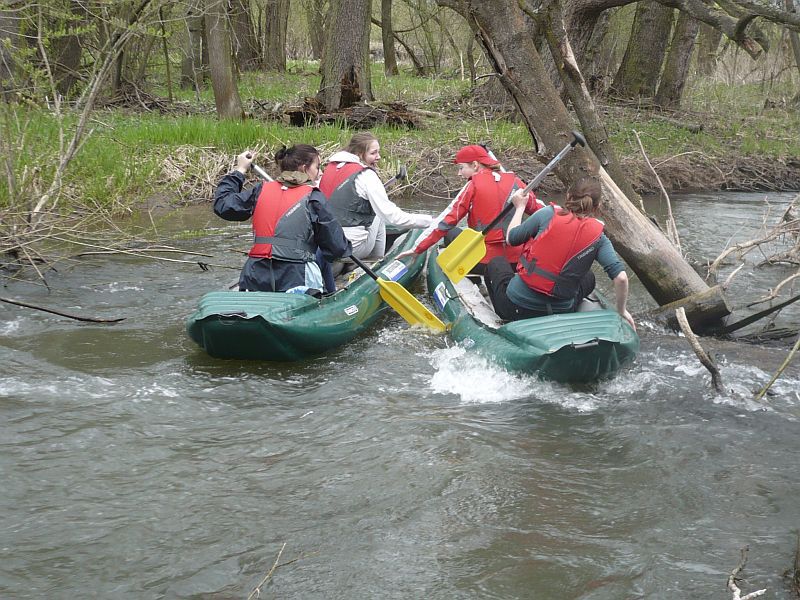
338,184
290,222
558,247
554,261
491,190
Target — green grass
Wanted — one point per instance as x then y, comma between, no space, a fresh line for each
123,158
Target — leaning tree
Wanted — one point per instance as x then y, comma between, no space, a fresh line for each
509,31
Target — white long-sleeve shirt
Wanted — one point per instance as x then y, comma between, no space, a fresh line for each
369,186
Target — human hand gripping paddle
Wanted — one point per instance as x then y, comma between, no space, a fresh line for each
394,294
467,250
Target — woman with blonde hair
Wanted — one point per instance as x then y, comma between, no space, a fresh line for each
358,199
559,246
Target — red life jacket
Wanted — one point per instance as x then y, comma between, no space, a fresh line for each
334,175
338,183
553,262
279,231
489,199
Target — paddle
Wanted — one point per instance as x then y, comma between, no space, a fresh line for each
402,173
469,247
400,299
394,294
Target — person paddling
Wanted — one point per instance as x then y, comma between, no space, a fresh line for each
558,246
480,200
291,219
358,199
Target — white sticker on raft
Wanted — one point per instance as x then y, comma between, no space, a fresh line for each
440,296
395,270
351,310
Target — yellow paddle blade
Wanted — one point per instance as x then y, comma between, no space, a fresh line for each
408,307
462,254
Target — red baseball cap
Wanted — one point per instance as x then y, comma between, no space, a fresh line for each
474,152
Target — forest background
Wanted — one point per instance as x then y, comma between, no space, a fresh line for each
108,107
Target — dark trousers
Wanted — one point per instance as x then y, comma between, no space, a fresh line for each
498,275
327,273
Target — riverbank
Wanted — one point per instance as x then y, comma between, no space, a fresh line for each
146,149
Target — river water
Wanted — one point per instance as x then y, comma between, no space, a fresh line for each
398,466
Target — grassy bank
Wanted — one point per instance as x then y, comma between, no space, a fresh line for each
746,139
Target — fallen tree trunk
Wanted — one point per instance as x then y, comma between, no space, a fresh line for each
508,41
703,310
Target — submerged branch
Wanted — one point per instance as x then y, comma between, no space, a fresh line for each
705,359
737,593
780,370
60,313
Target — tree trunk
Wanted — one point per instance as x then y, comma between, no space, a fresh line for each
501,28
345,62
676,68
10,45
143,56
220,59
315,17
192,72
276,20
470,56
641,65
67,51
709,39
245,45
578,92
387,37
794,41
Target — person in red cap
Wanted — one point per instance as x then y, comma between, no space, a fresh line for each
480,200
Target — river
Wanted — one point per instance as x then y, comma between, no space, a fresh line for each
398,466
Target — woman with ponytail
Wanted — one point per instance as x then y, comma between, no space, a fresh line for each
558,247
291,220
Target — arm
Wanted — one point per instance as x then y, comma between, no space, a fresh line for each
369,186
230,202
518,232
615,270
621,293
446,220
327,232
533,203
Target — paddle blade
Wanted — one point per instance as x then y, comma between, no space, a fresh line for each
462,254
407,306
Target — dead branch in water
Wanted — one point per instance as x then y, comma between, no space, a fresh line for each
796,569
705,359
780,370
256,593
732,579
60,313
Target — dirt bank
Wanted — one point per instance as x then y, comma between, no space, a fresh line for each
691,172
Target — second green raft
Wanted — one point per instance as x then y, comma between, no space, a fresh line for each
578,347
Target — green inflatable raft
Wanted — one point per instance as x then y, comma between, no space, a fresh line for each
578,347
288,327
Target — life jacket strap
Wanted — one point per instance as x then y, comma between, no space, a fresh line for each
532,269
279,241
